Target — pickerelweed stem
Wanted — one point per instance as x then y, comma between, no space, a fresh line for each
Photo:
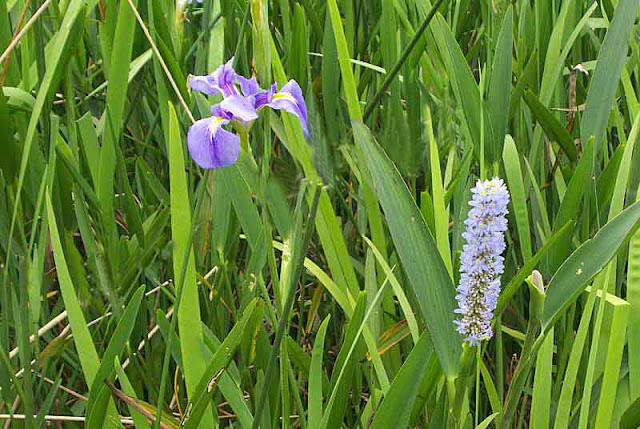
461,384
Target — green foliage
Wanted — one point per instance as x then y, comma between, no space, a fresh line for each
312,284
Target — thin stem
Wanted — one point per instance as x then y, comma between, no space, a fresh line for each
145,30
478,357
403,57
24,30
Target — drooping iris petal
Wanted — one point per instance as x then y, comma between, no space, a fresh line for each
240,107
290,99
222,81
210,145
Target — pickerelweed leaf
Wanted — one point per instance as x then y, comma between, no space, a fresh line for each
420,258
588,259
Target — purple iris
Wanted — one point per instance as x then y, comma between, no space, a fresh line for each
210,145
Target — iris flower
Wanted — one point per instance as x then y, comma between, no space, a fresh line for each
211,145
181,4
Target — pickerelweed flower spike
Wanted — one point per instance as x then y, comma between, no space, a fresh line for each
481,263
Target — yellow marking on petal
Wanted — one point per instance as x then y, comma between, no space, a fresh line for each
284,96
215,124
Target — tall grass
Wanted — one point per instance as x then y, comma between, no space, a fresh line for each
312,283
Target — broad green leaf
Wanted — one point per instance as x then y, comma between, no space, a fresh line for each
588,260
189,312
418,253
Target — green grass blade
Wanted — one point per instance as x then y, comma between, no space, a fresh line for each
395,409
315,374
500,86
348,80
610,379
440,213
512,168
542,381
611,59
205,388
551,126
633,329
119,338
189,312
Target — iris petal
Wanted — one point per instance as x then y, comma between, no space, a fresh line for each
222,81
240,107
248,86
210,145
203,84
290,99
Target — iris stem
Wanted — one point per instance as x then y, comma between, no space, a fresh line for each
244,141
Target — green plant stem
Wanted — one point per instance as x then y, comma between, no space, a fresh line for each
461,383
478,357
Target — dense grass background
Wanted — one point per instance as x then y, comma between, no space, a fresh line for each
312,284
